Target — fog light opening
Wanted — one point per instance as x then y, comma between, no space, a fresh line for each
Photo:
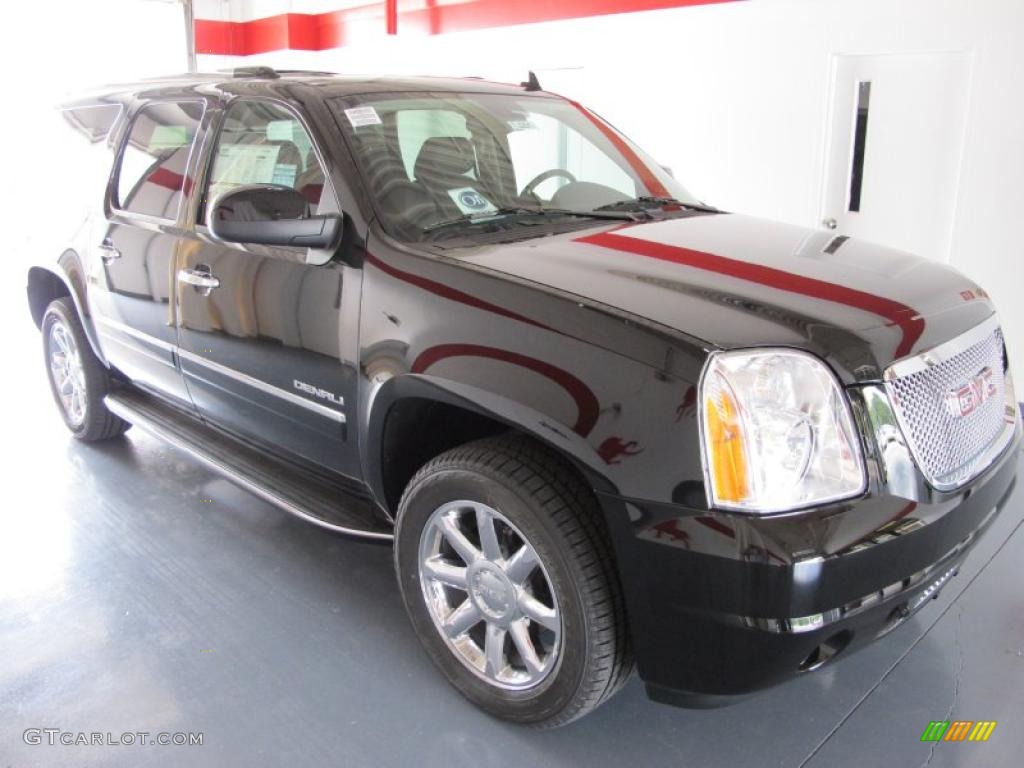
827,651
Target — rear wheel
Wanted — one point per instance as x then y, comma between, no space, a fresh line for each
508,578
78,380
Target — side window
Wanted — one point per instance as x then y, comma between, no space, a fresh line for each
151,176
263,143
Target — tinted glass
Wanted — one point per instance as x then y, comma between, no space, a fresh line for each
152,175
264,143
93,121
433,158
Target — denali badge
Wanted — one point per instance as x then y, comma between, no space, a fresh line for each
323,394
966,398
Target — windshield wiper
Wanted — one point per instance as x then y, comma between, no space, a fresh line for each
484,218
644,202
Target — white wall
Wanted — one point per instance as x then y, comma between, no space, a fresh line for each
734,97
49,50
52,50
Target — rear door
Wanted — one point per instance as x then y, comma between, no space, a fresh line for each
133,255
268,347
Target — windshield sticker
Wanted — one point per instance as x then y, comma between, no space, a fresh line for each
360,116
521,125
469,201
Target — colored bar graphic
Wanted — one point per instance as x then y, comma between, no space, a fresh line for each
982,730
935,730
958,730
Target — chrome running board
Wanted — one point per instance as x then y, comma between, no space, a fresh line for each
306,495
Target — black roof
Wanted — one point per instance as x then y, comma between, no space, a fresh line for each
250,80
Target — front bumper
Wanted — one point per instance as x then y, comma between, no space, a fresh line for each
722,605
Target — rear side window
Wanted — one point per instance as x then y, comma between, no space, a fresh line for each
264,143
83,148
152,175
93,121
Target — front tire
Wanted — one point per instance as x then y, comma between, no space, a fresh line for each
508,577
78,380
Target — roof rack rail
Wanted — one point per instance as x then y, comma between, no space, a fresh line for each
268,72
305,72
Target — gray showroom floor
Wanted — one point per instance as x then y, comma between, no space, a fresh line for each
138,592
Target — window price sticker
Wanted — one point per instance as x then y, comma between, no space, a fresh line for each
360,116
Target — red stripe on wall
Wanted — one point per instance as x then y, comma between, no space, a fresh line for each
334,29
906,318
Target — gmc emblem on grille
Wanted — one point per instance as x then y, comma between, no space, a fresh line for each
967,397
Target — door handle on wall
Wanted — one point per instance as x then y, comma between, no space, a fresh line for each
200,279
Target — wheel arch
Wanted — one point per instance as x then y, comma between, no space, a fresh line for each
68,279
420,405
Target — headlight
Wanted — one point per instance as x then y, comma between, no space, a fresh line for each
776,432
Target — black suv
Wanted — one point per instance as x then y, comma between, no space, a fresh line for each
600,420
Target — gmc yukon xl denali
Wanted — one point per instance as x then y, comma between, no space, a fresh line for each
602,423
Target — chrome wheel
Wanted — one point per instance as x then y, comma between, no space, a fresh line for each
67,373
489,595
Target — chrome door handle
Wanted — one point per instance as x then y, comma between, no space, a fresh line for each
108,252
199,278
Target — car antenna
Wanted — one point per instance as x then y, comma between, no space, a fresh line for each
532,83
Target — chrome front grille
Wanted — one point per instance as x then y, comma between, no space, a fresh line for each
951,403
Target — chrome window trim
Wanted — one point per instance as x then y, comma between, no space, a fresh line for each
199,210
262,386
113,193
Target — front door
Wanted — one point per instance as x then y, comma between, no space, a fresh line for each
133,250
268,345
893,164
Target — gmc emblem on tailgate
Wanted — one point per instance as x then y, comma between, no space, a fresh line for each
967,397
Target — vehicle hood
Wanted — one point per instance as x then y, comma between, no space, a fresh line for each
731,281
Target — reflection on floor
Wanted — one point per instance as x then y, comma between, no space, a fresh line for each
138,592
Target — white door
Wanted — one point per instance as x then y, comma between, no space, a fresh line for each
893,163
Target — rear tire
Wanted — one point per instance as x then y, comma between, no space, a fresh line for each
78,380
564,608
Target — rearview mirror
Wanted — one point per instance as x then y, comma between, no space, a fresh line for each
271,214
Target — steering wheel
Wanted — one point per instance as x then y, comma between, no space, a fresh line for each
540,178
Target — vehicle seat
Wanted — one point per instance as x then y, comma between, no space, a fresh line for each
445,163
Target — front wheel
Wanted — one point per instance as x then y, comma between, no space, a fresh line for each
508,578
78,379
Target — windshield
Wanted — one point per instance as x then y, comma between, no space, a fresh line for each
458,161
